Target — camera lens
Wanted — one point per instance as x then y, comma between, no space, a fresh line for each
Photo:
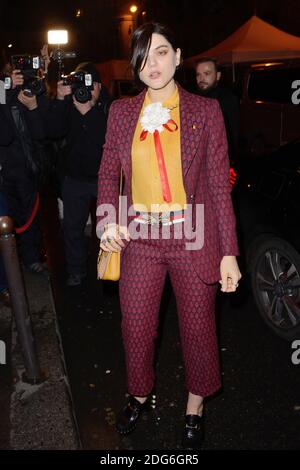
82,95
35,85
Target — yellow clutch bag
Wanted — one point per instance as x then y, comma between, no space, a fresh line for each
109,266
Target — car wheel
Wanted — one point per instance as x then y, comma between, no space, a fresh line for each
275,281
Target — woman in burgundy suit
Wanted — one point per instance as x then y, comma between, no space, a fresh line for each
171,146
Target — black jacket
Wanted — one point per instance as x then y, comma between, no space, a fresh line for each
6,131
18,148
230,106
83,135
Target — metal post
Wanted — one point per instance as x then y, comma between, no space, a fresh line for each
19,302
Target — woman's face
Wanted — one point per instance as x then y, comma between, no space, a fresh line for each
161,62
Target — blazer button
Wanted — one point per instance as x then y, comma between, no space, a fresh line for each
192,196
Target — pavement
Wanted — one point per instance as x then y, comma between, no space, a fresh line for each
79,345
36,416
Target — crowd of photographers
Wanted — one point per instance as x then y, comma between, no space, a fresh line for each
51,135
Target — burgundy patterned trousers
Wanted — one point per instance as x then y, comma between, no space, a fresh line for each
144,265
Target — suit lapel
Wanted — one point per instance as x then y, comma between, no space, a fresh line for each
131,115
191,128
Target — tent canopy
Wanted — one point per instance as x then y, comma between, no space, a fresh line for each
254,40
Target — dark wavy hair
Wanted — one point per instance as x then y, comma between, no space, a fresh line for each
141,42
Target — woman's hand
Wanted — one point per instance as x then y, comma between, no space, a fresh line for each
230,274
111,240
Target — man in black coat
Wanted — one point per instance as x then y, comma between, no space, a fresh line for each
83,127
208,77
19,145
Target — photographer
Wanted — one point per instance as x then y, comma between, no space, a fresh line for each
83,124
23,116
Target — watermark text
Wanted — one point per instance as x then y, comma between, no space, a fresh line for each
2,352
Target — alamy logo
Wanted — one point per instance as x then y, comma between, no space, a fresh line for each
2,352
296,94
296,354
138,220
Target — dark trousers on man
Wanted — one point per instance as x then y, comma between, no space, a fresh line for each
77,199
20,195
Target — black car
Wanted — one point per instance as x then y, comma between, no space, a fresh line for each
267,203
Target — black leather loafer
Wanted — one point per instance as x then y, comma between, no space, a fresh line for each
193,433
131,412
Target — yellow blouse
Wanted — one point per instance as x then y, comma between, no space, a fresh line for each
146,183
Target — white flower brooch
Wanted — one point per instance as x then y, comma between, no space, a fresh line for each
154,117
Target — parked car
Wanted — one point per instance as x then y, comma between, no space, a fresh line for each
267,203
268,116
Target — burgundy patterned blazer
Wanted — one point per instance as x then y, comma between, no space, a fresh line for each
205,167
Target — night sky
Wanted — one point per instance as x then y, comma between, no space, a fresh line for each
199,24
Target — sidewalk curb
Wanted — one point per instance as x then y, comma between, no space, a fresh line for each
42,416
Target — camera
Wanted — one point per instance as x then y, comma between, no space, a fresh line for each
5,84
6,81
81,84
60,55
30,68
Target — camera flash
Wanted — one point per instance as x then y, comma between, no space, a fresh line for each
57,36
